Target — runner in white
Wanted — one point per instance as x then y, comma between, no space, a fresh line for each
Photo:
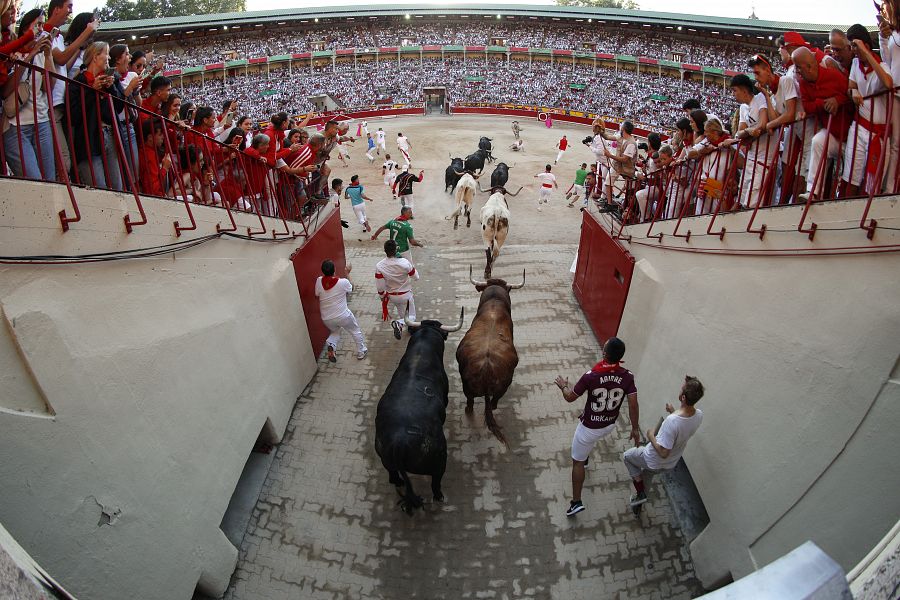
365,127
380,140
393,280
404,146
332,294
548,183
389,171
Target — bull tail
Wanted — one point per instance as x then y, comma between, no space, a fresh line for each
491,424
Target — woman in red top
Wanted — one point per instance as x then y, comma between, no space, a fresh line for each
231,177
154,171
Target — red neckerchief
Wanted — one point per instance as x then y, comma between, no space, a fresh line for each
604,367
725,138
402,218
774,87
89,77
864,65
329,282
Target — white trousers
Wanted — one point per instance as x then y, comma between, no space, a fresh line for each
405,155
544,196
360,210
408,256
891,165
856,154
559,155
349,323
389,178
406,200
751,183
817,155
397,307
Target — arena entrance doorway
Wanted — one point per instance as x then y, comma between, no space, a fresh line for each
435,100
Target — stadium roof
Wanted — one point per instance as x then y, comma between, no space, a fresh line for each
458,11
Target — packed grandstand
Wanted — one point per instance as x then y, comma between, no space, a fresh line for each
214,108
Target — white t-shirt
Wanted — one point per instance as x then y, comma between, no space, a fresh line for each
762,149
787,89
547,179
36,109
890,54
598,145
673,434
868,85
379,136
333,302
389,166
59,89
393,275
403,142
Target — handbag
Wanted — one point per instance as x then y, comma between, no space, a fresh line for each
23,91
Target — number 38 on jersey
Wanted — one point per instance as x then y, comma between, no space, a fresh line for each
605,400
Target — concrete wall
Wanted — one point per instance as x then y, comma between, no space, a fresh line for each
133,391
799,355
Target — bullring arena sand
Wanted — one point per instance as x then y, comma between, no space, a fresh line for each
327,524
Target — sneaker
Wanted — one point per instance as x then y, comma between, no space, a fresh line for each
637,499
539,208
361,355
575,507
331,356
398,328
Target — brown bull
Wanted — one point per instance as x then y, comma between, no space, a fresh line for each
486,355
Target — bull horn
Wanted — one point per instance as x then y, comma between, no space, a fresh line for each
517,192
475,283
521,285
458,173
409,322
448,328
479,188
477,176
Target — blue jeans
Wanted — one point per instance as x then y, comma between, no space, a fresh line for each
130,145
111,176
26,163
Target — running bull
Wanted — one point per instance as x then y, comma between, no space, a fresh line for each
495,216
485,144
486,355
409,421
451,178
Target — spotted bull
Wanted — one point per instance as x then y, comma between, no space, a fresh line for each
409,420
486,355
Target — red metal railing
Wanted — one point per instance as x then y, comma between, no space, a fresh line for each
105,141
744,176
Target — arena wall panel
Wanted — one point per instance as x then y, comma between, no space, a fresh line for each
155,377
796,342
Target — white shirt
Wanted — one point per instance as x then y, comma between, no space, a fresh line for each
762,144
673,434
393,275
787,90
365,126
890,54
59,88
868,85
390,165
379,136
547,179
37,103
403,142
714,165
333,302
598,145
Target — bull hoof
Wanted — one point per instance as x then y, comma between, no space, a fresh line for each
494,404
439,497
469,224
409,506
455,226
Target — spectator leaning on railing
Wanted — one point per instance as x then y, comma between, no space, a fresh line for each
27,139
93,120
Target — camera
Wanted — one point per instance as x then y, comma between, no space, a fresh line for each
587,140
642,146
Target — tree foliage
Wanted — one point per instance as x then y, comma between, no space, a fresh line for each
128,10
626,4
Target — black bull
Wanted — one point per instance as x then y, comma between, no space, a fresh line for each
450,176
486,355
409,420
485,144
474,162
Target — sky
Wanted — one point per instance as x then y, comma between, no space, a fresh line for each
841,12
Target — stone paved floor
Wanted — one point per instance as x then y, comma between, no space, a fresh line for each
327,524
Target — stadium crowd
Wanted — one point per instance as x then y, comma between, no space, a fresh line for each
812,125
378,35
623,94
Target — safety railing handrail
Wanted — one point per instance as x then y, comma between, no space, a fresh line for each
664,177
278,191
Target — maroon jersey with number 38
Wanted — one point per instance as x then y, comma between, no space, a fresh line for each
607,388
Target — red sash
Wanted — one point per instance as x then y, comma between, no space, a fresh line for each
384,303
875,148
